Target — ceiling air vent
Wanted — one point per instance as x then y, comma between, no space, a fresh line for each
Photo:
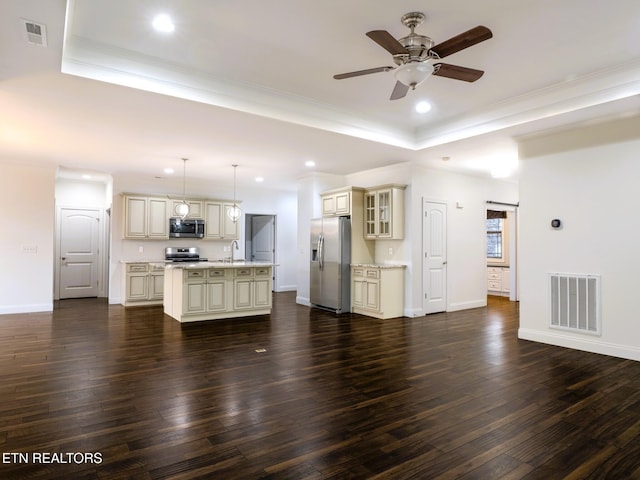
35,33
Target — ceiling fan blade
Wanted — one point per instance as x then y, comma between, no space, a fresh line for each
362,72
388,42
458,73
462,41
399,91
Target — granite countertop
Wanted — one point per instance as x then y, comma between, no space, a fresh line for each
142,261
378,265
218,264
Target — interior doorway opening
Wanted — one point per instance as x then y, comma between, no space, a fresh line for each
82,232
260,240
502,250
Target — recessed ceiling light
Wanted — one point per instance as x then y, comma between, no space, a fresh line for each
169,171
259,179
86,176
310,163
163,23
423,106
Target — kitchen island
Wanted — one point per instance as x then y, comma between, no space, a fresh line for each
214,290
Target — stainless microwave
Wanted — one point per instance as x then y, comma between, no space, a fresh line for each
187,228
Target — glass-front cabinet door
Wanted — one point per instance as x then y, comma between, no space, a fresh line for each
370,214
384,213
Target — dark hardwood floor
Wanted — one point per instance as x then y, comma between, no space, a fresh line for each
120,393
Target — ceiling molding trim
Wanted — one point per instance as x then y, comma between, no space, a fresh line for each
584,92
121,67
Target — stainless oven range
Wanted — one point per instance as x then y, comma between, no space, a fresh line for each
183,254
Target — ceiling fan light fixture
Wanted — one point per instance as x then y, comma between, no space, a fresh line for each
414,73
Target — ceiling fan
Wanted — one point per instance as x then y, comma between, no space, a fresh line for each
416,57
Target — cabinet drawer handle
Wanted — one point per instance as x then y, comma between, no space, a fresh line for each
137,268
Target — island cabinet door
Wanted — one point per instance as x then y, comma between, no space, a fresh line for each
262,292
216,296
242,293
195,298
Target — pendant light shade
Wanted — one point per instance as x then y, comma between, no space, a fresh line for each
235,212
182,209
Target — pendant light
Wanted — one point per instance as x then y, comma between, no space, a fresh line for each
182,209
234,212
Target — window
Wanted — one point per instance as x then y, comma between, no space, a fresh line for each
495,238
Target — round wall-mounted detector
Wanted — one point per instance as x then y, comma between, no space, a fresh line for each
555,223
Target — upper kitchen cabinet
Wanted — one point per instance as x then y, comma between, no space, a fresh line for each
196,208
338,202
384,212
146,217
218,225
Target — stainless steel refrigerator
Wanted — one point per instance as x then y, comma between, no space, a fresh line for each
330,263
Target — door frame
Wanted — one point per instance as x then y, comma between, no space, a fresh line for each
423,252
103,256
514,237
248,239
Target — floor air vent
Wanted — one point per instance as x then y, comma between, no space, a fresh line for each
575,302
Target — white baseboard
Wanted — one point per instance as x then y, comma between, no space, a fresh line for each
590,344
413,312
287,288
30,308
303,301
454,307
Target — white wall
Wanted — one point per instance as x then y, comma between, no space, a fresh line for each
26,276
588,178
255,201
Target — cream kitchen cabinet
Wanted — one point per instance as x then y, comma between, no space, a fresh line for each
143,284
218,225
384,212
336,203
378,290
146,217
196,208
498,280
203,292
252,288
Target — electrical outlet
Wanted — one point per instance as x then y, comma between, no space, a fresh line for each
140,249
390,251
29,249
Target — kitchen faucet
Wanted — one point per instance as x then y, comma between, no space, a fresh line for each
234,242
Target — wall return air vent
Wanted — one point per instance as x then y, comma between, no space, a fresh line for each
575,302
34,33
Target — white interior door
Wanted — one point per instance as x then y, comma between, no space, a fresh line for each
263,241
434,271
79,256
